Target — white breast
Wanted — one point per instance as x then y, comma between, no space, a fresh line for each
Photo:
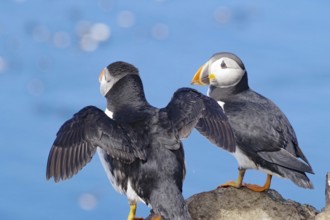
130,193
246,163
107,169
222,104
106,165
108,113
243,160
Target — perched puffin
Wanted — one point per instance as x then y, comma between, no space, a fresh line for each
265,139
139,145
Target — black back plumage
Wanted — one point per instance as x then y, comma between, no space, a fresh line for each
141,143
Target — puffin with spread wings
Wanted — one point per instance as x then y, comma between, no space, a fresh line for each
139,145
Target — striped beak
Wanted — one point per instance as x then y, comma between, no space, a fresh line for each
201,76
197,77
101,76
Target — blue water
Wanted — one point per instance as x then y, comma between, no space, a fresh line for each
51,53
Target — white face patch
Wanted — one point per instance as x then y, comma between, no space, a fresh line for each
226,76
107,81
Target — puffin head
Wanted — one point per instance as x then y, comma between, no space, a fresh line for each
222,70
113,73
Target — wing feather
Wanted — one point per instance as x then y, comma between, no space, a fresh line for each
78,138
190,109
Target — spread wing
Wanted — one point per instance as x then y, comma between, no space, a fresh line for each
190,109
78,138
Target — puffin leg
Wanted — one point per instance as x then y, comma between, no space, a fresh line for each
238,182
156,217
257,188
132,212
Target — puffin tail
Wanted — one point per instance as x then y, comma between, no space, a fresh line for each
299,178
169,197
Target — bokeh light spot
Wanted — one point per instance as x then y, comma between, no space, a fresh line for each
3,65
87,201
88,43
35,87
106,5
126,19
160,31
82,28
61,39
100,32
222,15
41,33
91,34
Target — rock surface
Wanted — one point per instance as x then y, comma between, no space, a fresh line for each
244,204
324,215
231,203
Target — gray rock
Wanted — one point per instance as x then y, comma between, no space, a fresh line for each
324,215
231,203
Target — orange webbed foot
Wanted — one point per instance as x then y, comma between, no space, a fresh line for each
230,183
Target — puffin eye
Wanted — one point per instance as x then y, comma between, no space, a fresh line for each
223,65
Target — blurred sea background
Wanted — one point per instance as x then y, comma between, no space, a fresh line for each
51,53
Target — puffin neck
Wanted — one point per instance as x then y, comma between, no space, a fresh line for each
126,94
222,94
